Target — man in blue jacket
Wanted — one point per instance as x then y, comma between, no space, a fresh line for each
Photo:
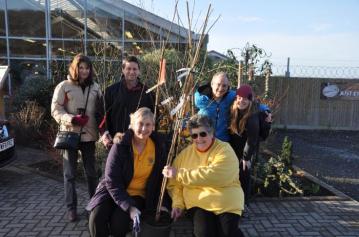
214,100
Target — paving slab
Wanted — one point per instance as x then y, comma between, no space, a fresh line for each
33,205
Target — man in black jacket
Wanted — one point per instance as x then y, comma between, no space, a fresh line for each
124,98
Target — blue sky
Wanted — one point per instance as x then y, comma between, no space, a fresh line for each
310,32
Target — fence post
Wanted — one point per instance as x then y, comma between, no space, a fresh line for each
251,72
240,74
287,73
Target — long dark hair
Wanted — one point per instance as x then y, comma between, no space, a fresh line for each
74,67
238,127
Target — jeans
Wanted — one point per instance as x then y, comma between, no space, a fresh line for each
208,224
70,157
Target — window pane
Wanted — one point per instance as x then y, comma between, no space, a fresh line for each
3,48
106,58
26,18
107,72
138,48
64,49
2,18
27,48
67,19
177,46
138,28
104,50
22,70
102,24
59,69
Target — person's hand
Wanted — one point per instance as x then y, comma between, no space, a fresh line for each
118,137
176,213
80,120
246,164
163,208
134,213
269,117
107,140
169,172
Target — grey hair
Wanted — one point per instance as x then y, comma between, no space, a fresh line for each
222,74
200,120
141,112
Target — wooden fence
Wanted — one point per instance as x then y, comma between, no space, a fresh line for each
303,108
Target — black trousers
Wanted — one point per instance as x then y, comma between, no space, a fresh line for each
87,150
245,178
207,224
108,218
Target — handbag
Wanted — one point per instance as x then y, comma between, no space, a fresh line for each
70,140
67,140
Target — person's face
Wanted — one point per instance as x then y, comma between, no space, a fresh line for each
131,71
84,71
201,138
143,127
219,86
242,103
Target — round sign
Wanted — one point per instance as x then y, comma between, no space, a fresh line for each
330,91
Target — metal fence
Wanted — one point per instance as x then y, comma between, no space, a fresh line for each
316,71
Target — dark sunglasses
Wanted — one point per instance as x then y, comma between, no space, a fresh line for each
201,134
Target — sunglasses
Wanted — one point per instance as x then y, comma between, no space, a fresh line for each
201,134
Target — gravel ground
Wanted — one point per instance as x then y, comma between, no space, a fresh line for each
332,156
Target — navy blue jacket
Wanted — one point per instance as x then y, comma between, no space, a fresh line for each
120,102
119,173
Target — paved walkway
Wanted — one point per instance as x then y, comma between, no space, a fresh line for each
32,205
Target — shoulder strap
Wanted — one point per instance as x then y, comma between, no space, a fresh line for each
87,98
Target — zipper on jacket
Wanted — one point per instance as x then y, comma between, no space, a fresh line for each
217,117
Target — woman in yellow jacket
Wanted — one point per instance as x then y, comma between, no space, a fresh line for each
204,180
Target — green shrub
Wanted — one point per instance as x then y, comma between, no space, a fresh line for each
276,174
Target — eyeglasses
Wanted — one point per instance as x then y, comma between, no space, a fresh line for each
201,134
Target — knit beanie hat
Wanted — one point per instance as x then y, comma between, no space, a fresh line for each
245,91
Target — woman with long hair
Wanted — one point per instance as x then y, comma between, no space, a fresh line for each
75,108
244,133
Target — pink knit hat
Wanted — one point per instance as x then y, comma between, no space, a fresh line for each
245,91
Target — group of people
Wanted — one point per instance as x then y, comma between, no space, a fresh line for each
207,178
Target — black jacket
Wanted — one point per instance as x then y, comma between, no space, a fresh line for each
119,173
245,144
121,102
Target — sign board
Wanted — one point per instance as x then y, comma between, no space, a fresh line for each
339,91
4,70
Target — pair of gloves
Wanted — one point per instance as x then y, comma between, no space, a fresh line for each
80,120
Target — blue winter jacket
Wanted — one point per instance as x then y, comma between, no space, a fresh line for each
217,111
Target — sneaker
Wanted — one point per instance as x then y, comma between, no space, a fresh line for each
72,215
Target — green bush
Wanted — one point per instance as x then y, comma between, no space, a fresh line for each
276,174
